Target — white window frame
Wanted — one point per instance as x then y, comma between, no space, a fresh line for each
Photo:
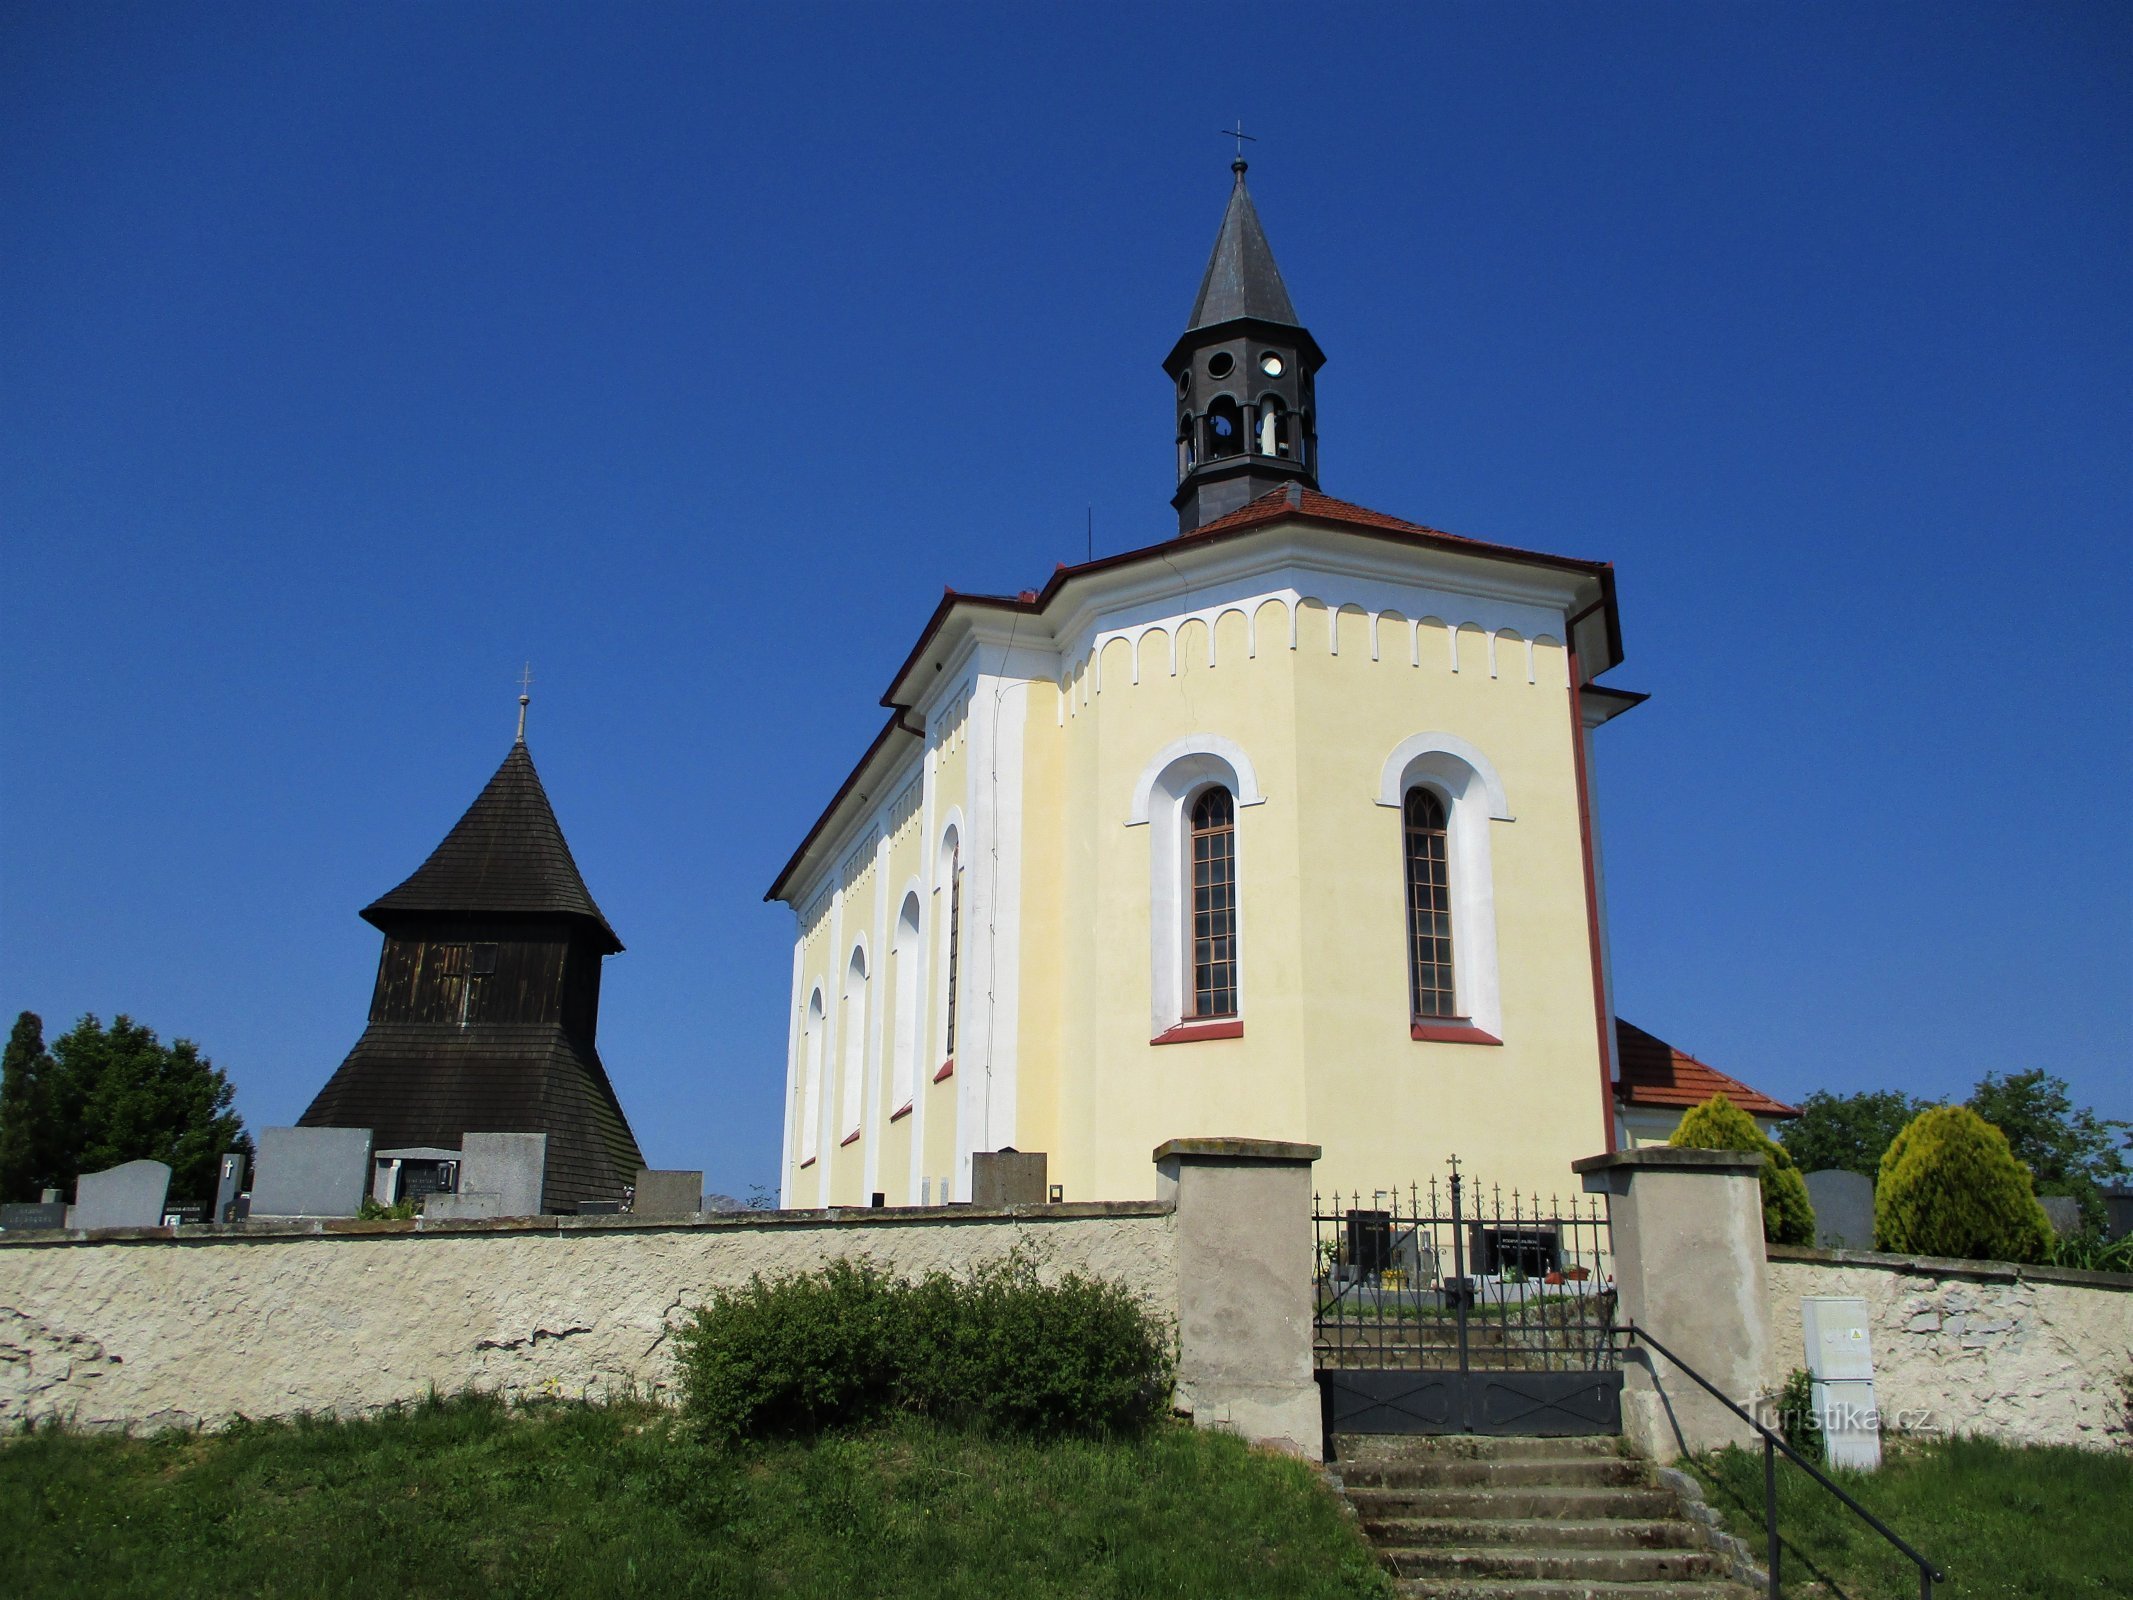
1473,795
908,953
1173,779
852,1025
813,1026
949,844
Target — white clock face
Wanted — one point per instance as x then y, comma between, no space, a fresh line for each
1270,364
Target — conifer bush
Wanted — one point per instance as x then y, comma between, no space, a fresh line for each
1950,1186
1719,1124
997,1348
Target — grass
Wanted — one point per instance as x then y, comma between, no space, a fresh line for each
2001,1521
467,1497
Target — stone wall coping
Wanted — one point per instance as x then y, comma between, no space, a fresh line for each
1665,1155
1236,1150
1952,1267
349,1228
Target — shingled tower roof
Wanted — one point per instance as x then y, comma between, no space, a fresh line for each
1241,278
506,856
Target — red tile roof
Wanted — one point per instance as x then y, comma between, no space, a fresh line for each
1292,499
1654,1073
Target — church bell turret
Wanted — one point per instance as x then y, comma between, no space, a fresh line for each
1244,377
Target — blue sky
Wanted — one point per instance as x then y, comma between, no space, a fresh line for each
350,356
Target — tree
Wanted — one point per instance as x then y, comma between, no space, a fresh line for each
1951,1186
102,1096
1719,1124
30,1152
2068,1149
1848,1131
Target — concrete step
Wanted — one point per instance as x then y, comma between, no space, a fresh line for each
1383,1447
1538,1533
1581,1566
1550,1471
1573,1504
1565,1589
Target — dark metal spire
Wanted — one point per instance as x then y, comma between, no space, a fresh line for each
1244,370
1241,278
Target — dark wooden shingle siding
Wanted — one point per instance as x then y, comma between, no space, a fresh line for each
417,1084
487,1001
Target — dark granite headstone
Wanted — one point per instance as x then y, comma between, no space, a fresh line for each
33,1214
229,1184
1844,1208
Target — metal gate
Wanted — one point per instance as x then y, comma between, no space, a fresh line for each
1449,1310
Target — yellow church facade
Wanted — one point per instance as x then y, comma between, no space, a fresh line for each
1038,796
1282,828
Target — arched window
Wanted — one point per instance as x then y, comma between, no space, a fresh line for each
1225,428
952,938
1430,986
1273,427
903,1077
853,1025
1448,797
1188,798
811,1078
1214,904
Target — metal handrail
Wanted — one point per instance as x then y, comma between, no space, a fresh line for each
1928,1574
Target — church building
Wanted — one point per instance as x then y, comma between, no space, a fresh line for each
1282,826
487,1003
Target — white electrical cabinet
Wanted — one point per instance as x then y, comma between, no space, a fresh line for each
1840,1358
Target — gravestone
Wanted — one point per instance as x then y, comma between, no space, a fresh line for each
311,1172
667,1193
2118,1211
2064,1212
32,1214
129,1195
414,1172
1844,1209
229,1183
500,1175
1007,1177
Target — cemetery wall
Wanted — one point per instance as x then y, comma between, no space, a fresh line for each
2028,1355
160,1328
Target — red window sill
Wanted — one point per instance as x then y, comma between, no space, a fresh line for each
1442,1030
1214,1028
947,1071
810,1161
850,1138
903,1110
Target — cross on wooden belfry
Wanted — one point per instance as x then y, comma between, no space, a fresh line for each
525,698
1237,133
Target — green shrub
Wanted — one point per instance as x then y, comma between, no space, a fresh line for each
1951,1186
2089,1250
996,1348
1796,1415
1719,1124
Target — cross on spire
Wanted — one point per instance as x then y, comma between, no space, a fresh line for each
1237,133
525,683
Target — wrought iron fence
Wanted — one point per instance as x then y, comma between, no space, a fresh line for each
1449,1276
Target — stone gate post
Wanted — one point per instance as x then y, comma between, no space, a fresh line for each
1689,1266
1244,1246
